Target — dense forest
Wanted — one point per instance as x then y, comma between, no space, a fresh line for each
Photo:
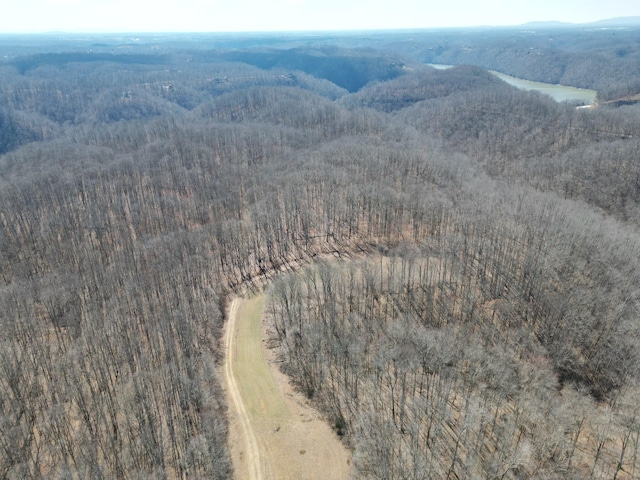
487,325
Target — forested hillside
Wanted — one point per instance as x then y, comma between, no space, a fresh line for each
489,329
604,59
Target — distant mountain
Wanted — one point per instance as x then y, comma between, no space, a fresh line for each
618,22
606,23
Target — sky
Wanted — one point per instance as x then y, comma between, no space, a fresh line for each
93,16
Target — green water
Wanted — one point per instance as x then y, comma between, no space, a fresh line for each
560,93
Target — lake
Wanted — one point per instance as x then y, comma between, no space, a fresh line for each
560,93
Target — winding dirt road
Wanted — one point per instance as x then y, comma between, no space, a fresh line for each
274,433
251,444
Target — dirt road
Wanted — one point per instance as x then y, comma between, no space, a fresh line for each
274,433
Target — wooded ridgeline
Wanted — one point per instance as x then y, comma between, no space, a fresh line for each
492,330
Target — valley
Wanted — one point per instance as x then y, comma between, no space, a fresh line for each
314,256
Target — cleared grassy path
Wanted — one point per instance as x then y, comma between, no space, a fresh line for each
274,433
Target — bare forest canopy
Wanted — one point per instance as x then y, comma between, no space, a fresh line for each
490,331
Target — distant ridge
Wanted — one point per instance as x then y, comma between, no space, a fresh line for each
609,22
618,22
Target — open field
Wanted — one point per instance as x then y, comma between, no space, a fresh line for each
274,432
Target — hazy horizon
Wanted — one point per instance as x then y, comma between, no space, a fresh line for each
191,16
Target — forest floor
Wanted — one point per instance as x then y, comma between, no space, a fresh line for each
274,433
